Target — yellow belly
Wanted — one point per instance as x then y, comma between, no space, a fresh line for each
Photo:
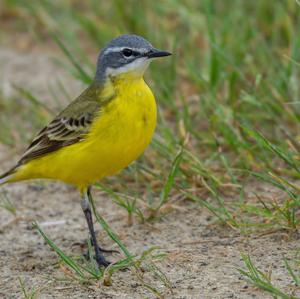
118,136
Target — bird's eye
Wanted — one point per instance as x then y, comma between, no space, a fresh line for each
127,52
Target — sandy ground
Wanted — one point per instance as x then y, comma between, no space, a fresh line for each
202,255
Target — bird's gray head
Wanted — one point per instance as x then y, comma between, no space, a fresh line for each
126,54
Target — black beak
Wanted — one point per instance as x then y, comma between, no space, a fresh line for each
153,53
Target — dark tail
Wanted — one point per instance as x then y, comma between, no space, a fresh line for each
5,177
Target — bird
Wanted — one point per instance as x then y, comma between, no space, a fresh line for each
107,127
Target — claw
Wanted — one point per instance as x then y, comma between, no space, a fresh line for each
105,250
111,251
101,261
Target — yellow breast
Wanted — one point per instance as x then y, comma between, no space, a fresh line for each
123,129
118,136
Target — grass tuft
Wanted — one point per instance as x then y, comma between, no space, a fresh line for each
263,280
28,294
6,204
84,272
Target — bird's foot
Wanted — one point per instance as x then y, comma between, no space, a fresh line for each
102,250
110,251
99,257
101,261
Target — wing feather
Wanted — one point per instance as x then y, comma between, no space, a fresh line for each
54,137
69,127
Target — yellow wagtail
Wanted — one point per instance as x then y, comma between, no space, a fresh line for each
102,131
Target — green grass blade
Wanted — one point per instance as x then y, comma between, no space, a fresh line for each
108,230
69,261
171,179
291,272
260,280
85,77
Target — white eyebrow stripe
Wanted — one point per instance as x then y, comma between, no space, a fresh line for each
119,49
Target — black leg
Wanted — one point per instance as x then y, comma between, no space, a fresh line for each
88,216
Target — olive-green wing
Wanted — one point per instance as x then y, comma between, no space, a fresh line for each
69,127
